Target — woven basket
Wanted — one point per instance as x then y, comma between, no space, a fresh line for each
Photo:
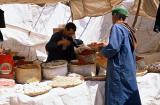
84,70
28,73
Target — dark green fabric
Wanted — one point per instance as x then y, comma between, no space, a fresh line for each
2,20
157,22
1,36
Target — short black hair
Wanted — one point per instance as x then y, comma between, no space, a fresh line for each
70,25
120,16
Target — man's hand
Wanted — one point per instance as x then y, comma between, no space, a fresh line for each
96,46
64,42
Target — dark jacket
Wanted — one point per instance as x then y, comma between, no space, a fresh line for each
58,52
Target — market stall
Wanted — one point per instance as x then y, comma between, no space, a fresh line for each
32,89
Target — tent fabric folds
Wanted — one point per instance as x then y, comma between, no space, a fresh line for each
29,1
148,7
82,8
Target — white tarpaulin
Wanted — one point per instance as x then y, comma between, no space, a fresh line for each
89,93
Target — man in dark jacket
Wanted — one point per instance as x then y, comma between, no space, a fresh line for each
61,45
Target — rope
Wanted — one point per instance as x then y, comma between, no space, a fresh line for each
64,15
69,19
39,16
85,28
71,11
102,38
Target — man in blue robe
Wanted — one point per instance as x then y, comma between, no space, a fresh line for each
121,86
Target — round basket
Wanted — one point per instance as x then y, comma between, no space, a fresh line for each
84,70
52,69
28,73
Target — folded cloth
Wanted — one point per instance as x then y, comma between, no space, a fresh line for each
7,82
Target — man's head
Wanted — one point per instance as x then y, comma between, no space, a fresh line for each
119,13
70,29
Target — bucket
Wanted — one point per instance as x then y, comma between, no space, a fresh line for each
54,68
84,70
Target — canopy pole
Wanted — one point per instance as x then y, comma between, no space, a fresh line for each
85,27
39,16
137,13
